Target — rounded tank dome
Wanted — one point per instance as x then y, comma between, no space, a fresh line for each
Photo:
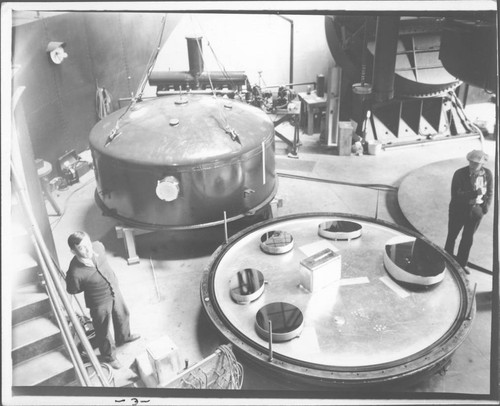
184,160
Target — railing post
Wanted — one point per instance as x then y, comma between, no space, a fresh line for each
52,273
63,324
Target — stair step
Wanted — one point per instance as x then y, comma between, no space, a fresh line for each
34,337
24,269
24,261
20,240
50,369
16,209
14,199
28,302
18,230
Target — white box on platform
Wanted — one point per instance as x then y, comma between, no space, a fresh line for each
320,270
165,359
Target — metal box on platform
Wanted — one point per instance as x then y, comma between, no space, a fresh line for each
165,359
320,270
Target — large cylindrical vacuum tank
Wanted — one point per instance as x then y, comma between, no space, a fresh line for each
184,161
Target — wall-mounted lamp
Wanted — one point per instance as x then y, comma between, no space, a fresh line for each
56,52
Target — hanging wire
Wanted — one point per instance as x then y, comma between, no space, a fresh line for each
221,65
208,73
65,204
225,373
223,123
103,102
151,63
235,368
217,60
225,73
115,133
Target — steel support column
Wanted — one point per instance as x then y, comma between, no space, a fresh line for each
386,44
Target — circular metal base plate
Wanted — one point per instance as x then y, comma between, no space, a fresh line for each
363,330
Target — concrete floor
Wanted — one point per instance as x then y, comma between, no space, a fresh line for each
178,262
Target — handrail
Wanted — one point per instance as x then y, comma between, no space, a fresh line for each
52,274
63,277
62,322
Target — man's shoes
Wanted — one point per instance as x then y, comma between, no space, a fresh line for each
115,364
131,337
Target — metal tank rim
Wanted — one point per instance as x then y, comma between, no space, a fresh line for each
159,227
409,369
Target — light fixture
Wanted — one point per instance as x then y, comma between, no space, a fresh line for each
56,52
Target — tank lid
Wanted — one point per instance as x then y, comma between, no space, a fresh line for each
163,132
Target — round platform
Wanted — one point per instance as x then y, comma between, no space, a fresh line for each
424,197
364,329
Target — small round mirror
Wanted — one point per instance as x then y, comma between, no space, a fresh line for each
286,320
340,230
247,285
276,242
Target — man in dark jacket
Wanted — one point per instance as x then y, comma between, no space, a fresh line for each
89,272
471,192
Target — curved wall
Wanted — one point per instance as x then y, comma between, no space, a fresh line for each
110,50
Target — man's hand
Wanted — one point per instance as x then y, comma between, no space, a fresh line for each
476,212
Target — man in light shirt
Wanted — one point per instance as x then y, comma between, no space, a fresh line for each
471,193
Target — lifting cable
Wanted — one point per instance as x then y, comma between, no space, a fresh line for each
142,84
219,63
223,123
208,73
151,63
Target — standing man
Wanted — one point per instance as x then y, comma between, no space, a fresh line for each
471,192
89,272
